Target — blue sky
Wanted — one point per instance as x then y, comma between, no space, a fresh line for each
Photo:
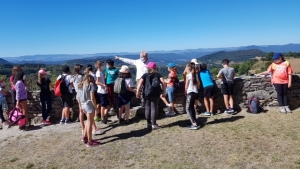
30,27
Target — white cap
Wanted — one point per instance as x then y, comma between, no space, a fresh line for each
195,61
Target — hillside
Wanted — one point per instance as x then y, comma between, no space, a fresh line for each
234,56
4,62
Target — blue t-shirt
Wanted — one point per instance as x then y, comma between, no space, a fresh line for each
111,75
206,78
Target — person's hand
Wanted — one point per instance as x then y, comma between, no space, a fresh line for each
185,92
289,85
18,104
96,111
117,57
138,95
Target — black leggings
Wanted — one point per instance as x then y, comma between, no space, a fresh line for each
1,114
281,90
13,97
190,109
150,109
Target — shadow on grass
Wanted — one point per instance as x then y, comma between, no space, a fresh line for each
124,136
225,120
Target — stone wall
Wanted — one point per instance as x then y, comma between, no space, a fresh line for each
244,88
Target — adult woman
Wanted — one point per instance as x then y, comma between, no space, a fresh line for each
152,82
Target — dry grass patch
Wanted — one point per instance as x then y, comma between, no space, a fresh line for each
267,140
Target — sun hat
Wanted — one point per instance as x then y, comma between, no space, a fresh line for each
276,56
42,72
171,65
151,65
124,69
195,61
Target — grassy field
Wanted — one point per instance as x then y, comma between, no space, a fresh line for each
266,140
295,62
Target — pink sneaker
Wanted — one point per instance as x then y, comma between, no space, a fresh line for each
93,143
84,139
46,122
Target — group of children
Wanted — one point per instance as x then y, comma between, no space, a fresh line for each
95,91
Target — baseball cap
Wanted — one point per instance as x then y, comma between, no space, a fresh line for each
171,65
42,72
276,56
151,65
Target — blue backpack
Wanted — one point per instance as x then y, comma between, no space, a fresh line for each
253,105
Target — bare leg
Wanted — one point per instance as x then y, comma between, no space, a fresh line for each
164,99
127,112
121,110
231,101
67,112
211,104
206,104
172,106
226,101
90,121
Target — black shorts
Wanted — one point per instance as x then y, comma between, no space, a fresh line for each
67,100
103,99
227,88
209,91
97,97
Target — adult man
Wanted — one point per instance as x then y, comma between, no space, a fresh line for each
140,65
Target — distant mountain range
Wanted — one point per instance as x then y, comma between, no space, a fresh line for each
161,57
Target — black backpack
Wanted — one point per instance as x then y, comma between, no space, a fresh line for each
177,84
152,86
253,105
64,89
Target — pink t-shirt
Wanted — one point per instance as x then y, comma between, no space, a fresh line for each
280,72
11,79
171,76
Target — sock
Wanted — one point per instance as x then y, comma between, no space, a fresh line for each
67,119
62,119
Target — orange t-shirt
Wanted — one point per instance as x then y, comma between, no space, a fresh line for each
280,72
172,75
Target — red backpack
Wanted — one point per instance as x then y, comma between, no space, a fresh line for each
60,87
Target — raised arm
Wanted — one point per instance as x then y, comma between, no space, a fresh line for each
125,60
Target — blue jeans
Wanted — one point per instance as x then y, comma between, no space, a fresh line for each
46,100
170,93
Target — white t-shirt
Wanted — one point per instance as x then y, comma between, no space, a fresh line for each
128,82
101,89
141,68
68,80
191,87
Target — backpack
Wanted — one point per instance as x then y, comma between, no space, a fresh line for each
152,85
120,86
60,87
253,105
177,84
16,116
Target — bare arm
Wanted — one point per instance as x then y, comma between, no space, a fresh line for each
139,88
163,85
99,83
290,81
186,86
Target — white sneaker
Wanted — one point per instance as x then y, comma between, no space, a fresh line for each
282,109
287,109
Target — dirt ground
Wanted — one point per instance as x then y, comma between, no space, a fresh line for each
266,140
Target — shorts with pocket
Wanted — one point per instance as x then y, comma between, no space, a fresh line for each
170,93
103,99
88,107
209,91
67,100
227,88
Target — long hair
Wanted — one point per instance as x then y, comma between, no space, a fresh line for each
77,69
86,80
125,75
18,76
193,72
15,70
174,69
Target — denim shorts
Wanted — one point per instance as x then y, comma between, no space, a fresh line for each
170,93
88,107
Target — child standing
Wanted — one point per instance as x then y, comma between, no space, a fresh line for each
102,91
227,74
45,95
87,100
152,82
67,98
209,89
111,74
170,89
21,96
281,79
3,103
191,91
125,98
